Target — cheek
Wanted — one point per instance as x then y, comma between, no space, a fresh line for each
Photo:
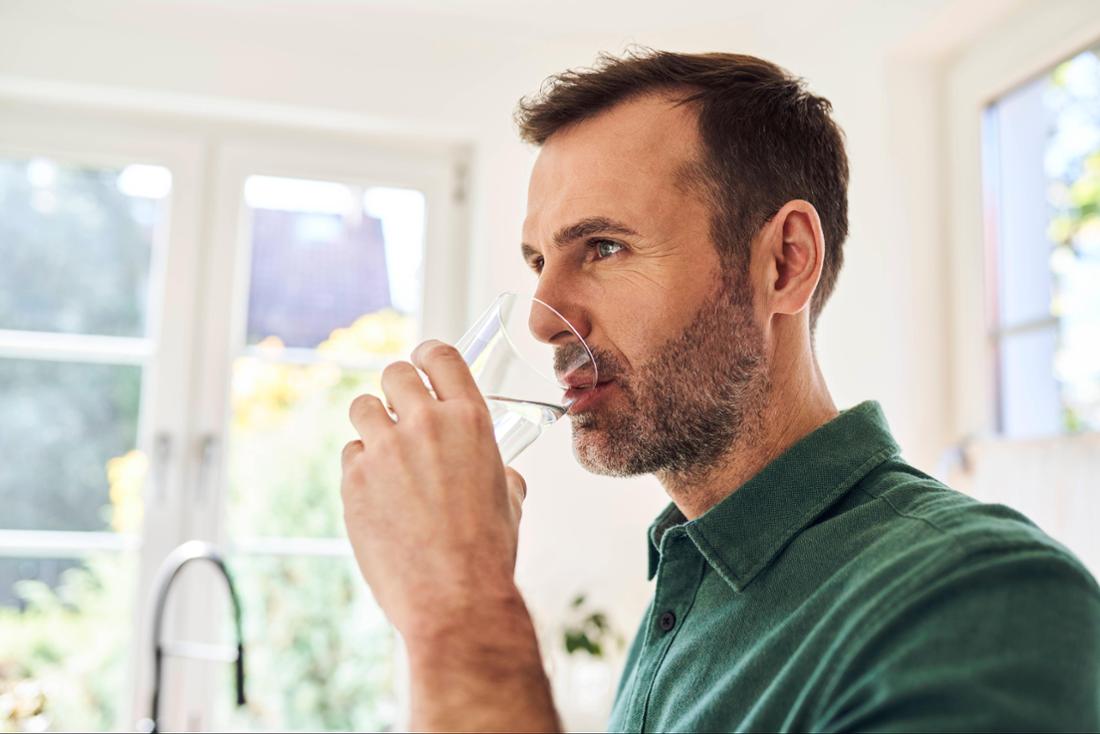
637,328
650,301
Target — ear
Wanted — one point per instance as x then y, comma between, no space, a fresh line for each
793,252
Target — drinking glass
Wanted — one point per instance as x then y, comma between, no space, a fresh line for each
524,380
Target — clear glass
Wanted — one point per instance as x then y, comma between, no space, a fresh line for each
320,653
1021,121
522,377
65,646
334,297
325,253
77,247
61,425
289,405
1030,405
1042,173
289,420
76,244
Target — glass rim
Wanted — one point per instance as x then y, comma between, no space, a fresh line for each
520,355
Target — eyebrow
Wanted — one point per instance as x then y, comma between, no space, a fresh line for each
579,230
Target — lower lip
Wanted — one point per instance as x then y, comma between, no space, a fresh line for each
584,399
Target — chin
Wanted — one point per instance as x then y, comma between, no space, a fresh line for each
591,449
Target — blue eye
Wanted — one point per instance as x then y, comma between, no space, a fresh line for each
604,248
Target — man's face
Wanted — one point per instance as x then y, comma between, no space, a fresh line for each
623,250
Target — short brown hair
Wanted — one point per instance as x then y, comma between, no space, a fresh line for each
767,139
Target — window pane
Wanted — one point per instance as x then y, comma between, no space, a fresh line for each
64,642
1030,404
318,650
1022,215
1043,175
334,296
289,421
76,243
324,254
1077,366
62,424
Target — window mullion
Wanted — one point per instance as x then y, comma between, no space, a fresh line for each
167,406
84,348
1025,327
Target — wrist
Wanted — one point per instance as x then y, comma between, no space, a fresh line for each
479,669
466,619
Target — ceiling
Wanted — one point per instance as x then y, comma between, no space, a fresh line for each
607,24
507,19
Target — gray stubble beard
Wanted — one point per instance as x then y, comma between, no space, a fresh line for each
702,393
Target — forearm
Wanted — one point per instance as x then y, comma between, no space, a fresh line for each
481,672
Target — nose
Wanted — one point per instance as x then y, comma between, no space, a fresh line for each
547,327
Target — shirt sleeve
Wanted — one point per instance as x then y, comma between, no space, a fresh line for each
1003,640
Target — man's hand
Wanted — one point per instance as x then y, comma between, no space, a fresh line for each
432,514
433,517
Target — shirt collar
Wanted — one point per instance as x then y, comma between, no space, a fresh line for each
742,534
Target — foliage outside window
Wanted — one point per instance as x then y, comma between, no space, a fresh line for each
77,244
1073,164
1042,176
320,652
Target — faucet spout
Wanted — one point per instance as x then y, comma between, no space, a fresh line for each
193,550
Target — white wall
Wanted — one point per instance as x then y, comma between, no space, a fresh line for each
457,78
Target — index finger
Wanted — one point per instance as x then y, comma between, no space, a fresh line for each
449,374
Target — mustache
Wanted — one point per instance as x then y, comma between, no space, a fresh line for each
573,355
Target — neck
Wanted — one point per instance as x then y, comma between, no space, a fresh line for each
797,403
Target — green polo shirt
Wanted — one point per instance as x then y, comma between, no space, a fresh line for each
841,589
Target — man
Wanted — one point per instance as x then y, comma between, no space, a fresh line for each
686,214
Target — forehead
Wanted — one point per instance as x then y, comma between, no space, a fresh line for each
626,162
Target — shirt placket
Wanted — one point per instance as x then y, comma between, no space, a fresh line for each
678,577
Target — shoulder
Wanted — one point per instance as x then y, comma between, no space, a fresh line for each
923,515
923,548
968,604
899,532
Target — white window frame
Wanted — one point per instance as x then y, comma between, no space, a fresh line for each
1028,44
33,130
226,284
211,147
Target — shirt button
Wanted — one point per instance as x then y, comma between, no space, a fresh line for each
667,621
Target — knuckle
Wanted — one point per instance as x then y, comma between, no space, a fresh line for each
387,446
351,448
441,351
381,442
482,420
418,418
393,369
361,404
518,484
471,412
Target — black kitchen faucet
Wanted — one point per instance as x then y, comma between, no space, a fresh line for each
193,550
